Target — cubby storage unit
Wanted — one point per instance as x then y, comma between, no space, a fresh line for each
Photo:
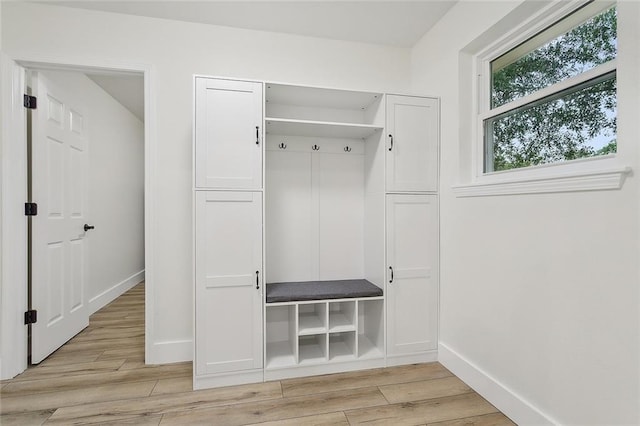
327,333
315,230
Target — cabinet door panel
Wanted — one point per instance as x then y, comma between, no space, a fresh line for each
228,307
412,290
228,126
412,157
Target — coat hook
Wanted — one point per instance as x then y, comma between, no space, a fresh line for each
315,147
347,149
282,145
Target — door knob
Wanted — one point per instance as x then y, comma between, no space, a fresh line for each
88,227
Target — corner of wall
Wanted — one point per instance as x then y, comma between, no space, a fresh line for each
511,404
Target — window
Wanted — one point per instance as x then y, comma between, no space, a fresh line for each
552,98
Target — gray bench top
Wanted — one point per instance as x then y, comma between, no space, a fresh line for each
320,290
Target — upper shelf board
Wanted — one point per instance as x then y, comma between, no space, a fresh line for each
320,98
323,129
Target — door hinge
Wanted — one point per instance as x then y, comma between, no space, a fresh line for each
31,317
30,102
30,209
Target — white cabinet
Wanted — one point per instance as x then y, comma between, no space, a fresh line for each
350,180
228,287
412,144
412,289
228,134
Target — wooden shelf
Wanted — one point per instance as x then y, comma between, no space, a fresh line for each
324,129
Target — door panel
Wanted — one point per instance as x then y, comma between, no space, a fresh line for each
228,307
59,267
228,139
412,158
412,255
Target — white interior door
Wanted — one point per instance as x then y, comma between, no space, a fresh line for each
59,248
412,257
229,281
412,143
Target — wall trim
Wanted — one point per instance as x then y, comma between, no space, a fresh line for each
103,299
510,403
169,352
575,182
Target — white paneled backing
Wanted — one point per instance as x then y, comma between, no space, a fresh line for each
314,208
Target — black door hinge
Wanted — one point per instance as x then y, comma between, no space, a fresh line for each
30,209
31,317
30,102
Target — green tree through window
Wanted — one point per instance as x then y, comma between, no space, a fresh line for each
576,123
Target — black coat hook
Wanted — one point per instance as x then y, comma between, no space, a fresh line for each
315,147
347,149
282,145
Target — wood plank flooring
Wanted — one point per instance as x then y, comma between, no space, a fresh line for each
99,377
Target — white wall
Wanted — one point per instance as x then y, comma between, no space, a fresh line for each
539,293
175,51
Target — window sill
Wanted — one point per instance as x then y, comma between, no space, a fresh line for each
570,182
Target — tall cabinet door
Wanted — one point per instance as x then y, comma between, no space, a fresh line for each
228,269
412,256
228,134
412,144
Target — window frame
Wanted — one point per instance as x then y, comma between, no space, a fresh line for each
591,173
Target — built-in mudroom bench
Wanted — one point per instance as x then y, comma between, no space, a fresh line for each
315,230
322,323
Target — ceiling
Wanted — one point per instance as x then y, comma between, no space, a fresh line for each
394,23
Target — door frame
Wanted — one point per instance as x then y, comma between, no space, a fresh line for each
13,300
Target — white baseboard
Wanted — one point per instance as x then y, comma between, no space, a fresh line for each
103,299
511,404
169,352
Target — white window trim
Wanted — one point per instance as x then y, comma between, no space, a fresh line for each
588,174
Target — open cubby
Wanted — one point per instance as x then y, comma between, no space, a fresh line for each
370,328
281,336
342,316
312,318
342,346
312,349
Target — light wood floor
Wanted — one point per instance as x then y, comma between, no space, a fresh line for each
100,377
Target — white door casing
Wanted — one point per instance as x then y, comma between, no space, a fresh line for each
412,144
412,258
59,246
229,281
228,127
